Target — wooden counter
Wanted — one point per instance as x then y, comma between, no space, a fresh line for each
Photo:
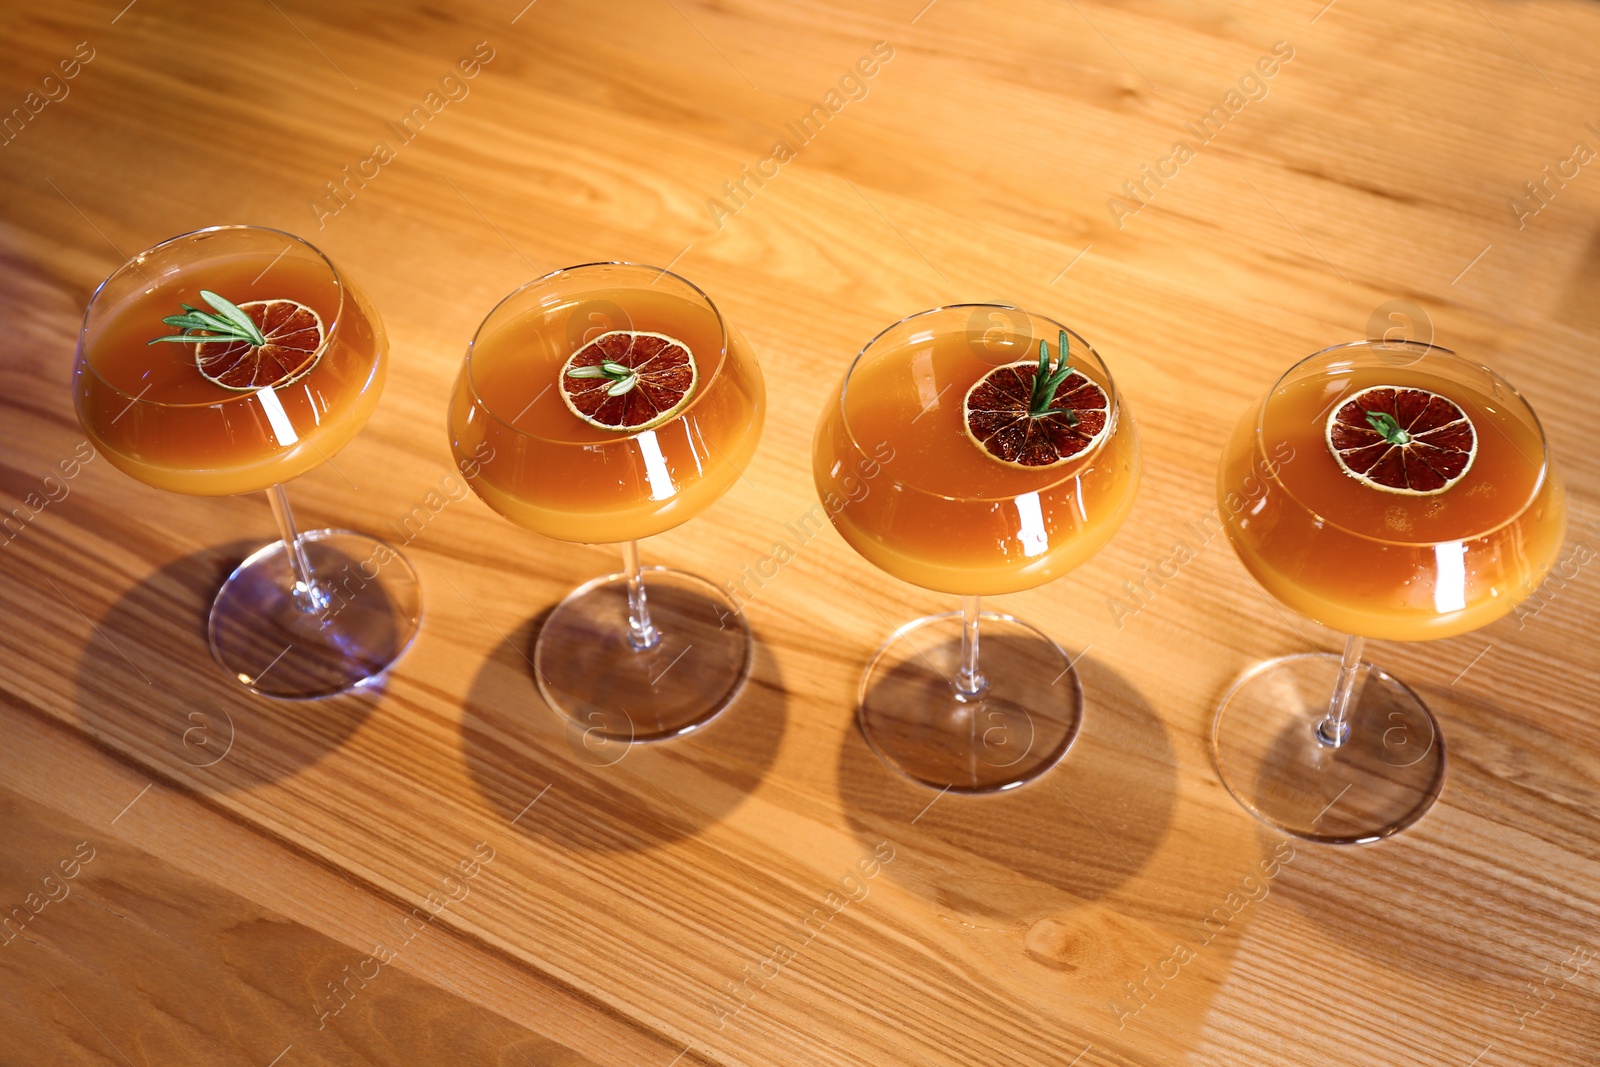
232,858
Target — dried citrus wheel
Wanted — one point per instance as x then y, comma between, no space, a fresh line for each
1023,422
293,335
1408,441
629,380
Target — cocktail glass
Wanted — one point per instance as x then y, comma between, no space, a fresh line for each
207,411
1391,490
602,404
903,470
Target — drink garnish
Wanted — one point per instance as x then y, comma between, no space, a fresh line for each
255,345
1033,415
629,380
1402,440
1384,423
1046,381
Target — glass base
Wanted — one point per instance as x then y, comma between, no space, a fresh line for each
1268,751
276,642
1018,727
588,671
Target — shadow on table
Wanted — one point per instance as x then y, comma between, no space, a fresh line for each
146,683
1507,776
1083,828
611,796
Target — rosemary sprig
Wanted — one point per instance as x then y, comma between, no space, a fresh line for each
1048,380
1386,425
623,379
228,324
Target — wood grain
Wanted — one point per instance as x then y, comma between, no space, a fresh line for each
708,901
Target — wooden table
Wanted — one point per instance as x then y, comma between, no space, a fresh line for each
233,860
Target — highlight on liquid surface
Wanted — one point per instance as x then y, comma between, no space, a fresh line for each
918,497
155,416
531,458
1382,564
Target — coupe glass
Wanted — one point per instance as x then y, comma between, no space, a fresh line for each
648,652
1329,747
316,612
910,490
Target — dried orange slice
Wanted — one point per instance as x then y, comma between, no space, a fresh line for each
259,344
1402,440
293,335
1022,421
629,380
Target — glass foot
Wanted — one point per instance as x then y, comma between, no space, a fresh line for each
1017,727
588,671
1271,757
275,641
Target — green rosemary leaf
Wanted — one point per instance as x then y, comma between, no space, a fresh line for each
229,326
588,372
192,322
1386,425
206,339
1049,379
231,312
623,386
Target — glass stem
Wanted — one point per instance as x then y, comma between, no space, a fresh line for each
306,592
642,633
1335,729
969,682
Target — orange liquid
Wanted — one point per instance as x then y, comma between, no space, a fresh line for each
931,507
1382,564
187,434
545,469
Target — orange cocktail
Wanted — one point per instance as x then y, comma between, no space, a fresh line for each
559,474
230,360
1394,562
960,520
974,450
152,411
1388,489
604,403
